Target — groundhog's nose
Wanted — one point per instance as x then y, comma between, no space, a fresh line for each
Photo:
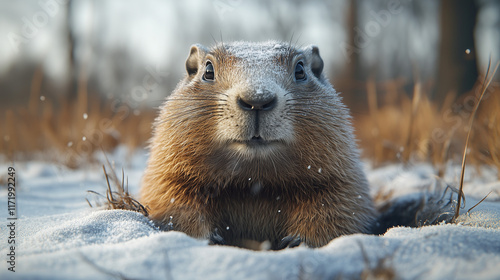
260,100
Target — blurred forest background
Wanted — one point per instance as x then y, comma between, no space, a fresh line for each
78,76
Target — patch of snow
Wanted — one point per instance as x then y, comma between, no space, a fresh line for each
58,236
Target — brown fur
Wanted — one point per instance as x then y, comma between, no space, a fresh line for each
204,179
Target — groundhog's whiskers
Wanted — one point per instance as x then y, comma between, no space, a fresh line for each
201,98
310,114
196,111
310,96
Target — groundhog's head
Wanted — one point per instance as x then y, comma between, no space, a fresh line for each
255,111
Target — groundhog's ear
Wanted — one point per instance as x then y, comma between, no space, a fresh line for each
316,61
196,54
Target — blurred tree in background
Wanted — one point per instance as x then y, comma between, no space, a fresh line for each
112,46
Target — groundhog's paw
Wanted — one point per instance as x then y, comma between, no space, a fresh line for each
216,239
289,241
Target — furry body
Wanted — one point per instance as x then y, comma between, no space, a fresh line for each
255,144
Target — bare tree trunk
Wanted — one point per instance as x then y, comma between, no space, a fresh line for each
70,37
457,69
352,67
349,80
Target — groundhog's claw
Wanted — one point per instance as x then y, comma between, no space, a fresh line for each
216,239
290,241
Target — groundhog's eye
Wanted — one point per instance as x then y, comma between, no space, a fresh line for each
300,73
209,72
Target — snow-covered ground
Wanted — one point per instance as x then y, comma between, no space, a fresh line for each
58,236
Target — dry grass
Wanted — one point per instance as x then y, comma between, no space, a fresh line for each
484,87
400,128
117,195
486,136
70,131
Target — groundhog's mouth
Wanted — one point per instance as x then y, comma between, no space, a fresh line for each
257,142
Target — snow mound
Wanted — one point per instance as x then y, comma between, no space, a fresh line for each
104,244
62,232
486,214
59,237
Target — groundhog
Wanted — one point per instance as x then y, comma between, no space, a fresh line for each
255,144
